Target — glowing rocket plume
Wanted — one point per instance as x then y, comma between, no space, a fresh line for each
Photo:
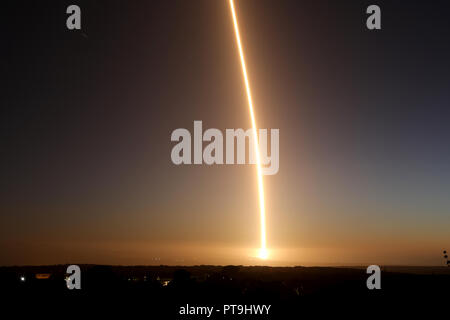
263,253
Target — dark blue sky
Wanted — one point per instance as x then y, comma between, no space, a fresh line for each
86,118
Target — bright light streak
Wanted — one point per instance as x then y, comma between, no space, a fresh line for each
263,253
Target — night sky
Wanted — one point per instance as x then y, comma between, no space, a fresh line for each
86,118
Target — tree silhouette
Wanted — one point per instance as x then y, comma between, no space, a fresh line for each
446,258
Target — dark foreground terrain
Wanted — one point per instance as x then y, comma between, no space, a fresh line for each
160,292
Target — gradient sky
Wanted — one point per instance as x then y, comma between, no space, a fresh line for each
86,119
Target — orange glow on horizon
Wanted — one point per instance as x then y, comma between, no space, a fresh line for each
263,252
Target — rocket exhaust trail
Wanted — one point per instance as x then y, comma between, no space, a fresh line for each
263,253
